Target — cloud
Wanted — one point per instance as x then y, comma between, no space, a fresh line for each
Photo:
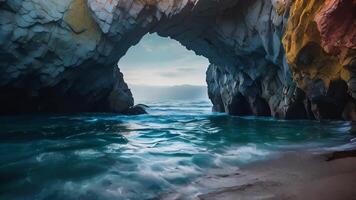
147,47
188,69
169,74
162,61
152,43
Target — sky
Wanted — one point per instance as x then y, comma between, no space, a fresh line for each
162,61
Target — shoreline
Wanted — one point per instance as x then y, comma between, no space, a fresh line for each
296,175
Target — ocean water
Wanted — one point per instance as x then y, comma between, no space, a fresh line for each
108,156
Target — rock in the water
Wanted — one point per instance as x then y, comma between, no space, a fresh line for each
136,110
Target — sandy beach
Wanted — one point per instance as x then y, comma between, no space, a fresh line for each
291,176
296,175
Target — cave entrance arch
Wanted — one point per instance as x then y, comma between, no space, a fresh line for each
160,68
76,45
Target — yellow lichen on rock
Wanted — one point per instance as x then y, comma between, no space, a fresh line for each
304,54
81,22
280,7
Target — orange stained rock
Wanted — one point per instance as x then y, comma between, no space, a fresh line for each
304,52
81,22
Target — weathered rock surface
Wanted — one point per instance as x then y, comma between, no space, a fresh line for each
52,59
258,81
336,23
62,55
320,49
136,110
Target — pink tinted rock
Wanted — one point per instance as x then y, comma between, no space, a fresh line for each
336,22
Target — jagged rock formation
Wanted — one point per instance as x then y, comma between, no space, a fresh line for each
258,81
62,55
53,59
320,42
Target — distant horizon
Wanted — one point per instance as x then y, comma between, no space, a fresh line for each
175,92
145,85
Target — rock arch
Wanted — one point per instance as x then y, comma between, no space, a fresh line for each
62,55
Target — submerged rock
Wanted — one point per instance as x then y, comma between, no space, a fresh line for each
60,56
136,110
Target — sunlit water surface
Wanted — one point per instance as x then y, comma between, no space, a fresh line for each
107,156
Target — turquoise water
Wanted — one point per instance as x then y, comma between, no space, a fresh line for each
106,156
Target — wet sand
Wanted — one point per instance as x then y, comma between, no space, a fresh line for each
291,176
294,176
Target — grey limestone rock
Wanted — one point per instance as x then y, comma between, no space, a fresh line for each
62,55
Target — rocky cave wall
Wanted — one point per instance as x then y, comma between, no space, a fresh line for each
320,45
54,58
59,56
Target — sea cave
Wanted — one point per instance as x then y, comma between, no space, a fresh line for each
278,98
